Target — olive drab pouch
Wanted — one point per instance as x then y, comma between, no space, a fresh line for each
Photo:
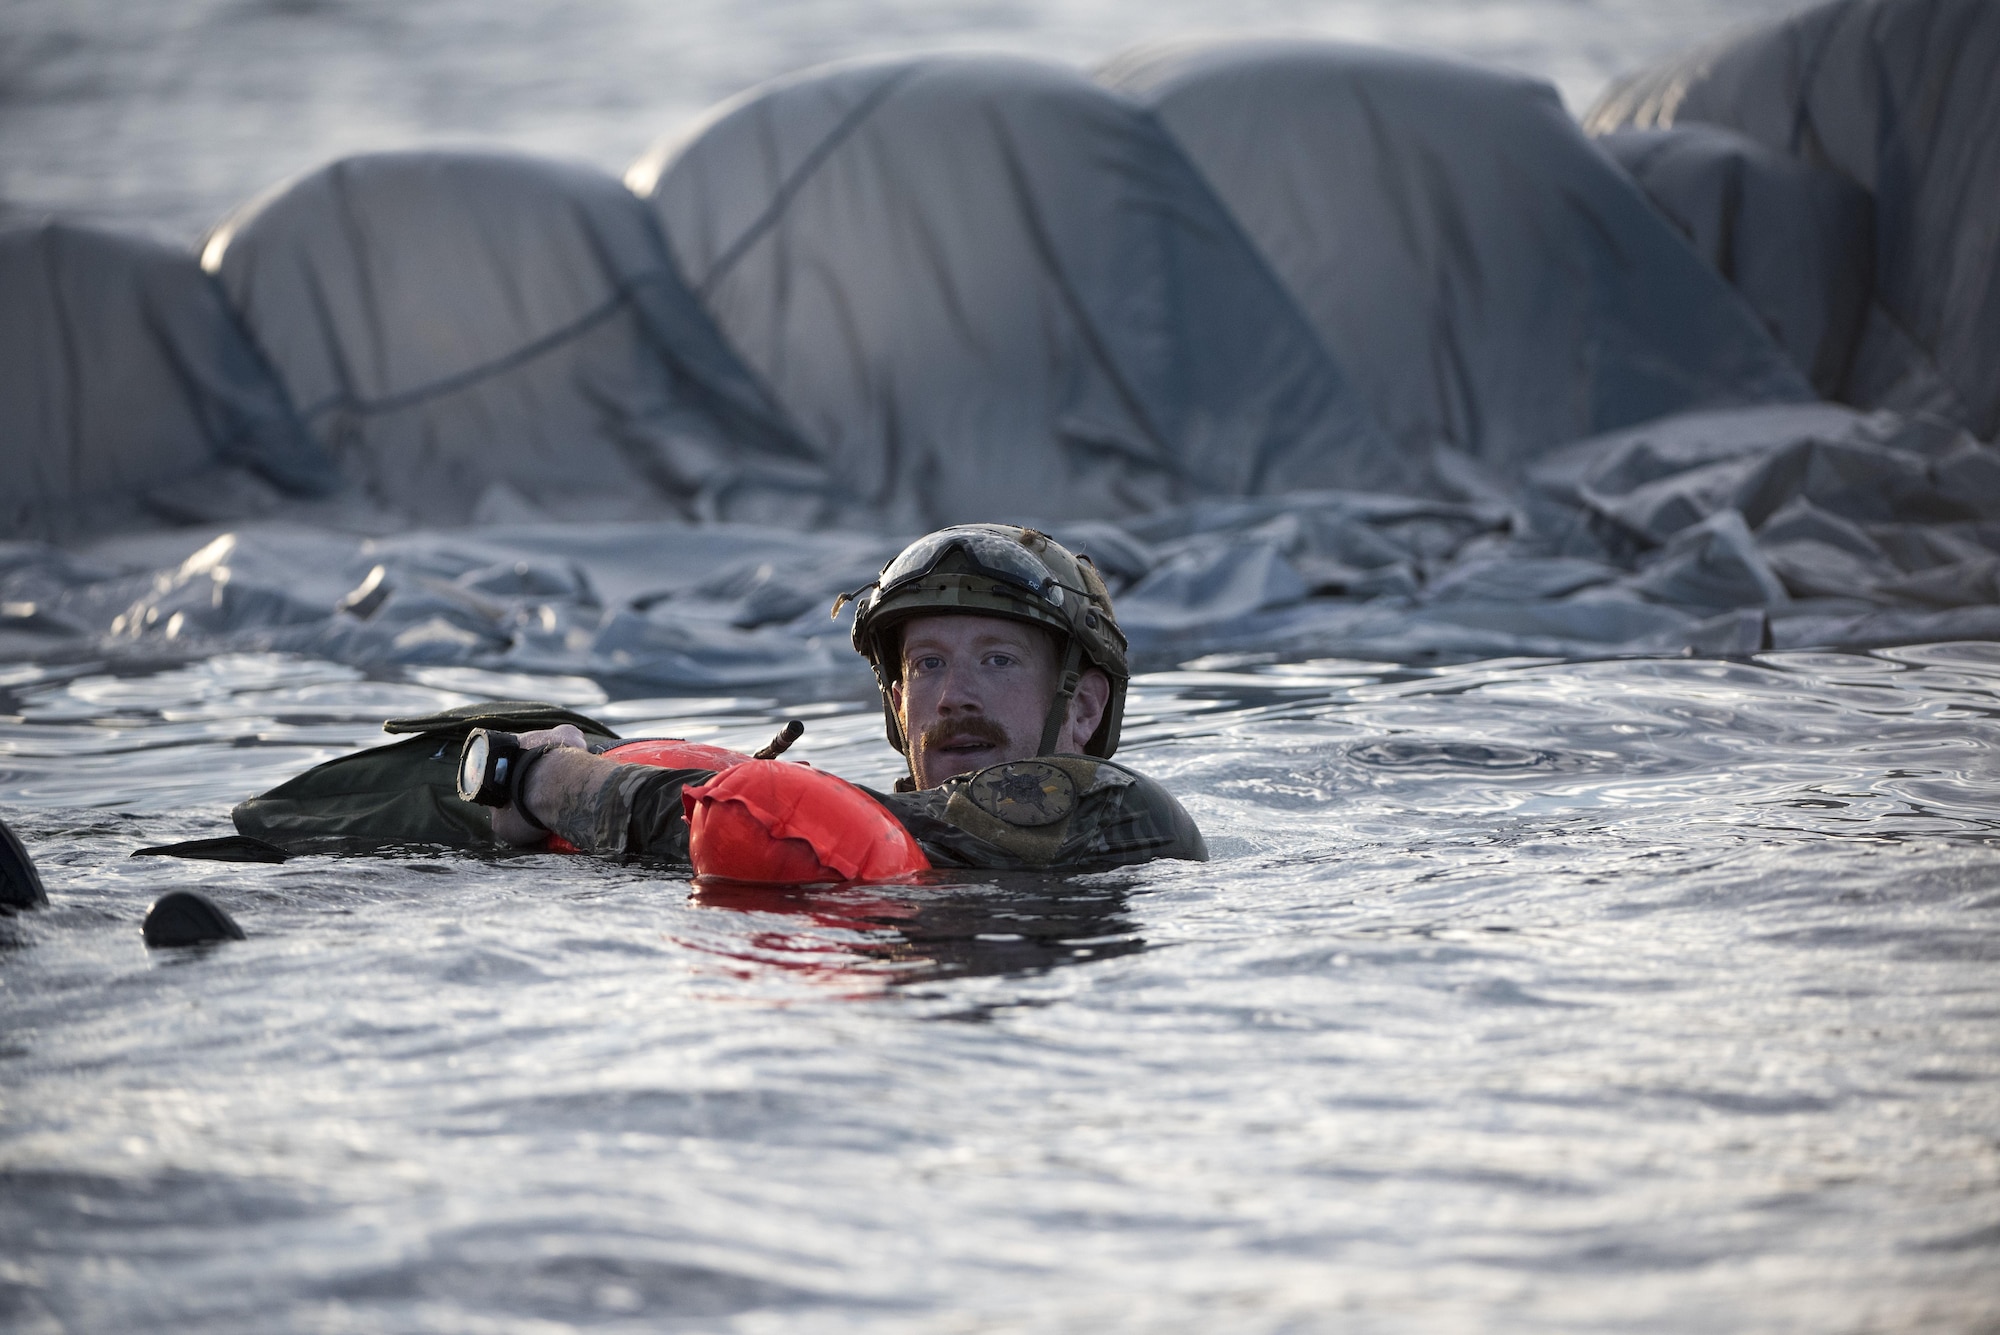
405,792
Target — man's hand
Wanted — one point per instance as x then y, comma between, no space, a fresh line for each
509,826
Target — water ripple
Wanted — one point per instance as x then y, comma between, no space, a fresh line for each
1519,996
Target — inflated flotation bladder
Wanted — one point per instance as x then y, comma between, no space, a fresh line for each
661,753
776,822
673,753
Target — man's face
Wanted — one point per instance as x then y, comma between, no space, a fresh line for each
975,692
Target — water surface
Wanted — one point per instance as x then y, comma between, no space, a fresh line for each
1523,996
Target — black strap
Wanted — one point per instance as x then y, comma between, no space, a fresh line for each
528,761
1065,691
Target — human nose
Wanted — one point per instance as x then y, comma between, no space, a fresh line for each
955,690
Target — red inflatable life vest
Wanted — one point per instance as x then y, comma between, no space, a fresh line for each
775,822
673,753
780,823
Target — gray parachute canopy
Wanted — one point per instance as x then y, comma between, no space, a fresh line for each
459,326
1316,351
1483,275
1902,98
1796,240
986,286
128,391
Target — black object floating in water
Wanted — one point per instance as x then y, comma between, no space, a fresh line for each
188,918
229,848
20,883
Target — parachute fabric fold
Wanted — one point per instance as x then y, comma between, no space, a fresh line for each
466,325
129,390
1485,278
983,285
1902,97
1796,240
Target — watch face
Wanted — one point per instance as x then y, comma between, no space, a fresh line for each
472,766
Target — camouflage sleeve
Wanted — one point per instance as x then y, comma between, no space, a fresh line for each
1056,811
638,813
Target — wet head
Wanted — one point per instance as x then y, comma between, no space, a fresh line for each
976,690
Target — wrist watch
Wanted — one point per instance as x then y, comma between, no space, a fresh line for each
493,770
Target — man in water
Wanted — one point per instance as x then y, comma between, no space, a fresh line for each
1003,678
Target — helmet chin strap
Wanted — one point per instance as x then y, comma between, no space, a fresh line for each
1065,692
908,783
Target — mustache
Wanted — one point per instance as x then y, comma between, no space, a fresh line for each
976,727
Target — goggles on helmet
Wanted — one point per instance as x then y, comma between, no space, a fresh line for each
990,554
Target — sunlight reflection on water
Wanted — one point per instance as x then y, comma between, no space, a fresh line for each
1530,996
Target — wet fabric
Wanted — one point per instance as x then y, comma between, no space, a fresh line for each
988,286
1719,532
659,605
129,394
672,753
1796,240
484,334
1484,277
1898,96
405,792
1852,528
1204,317
1054,811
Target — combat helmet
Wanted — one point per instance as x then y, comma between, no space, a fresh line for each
1005,571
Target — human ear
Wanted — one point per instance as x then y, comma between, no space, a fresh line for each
1086,709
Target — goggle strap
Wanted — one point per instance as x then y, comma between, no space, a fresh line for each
1042,591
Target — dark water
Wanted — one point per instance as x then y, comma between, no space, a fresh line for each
1636,995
